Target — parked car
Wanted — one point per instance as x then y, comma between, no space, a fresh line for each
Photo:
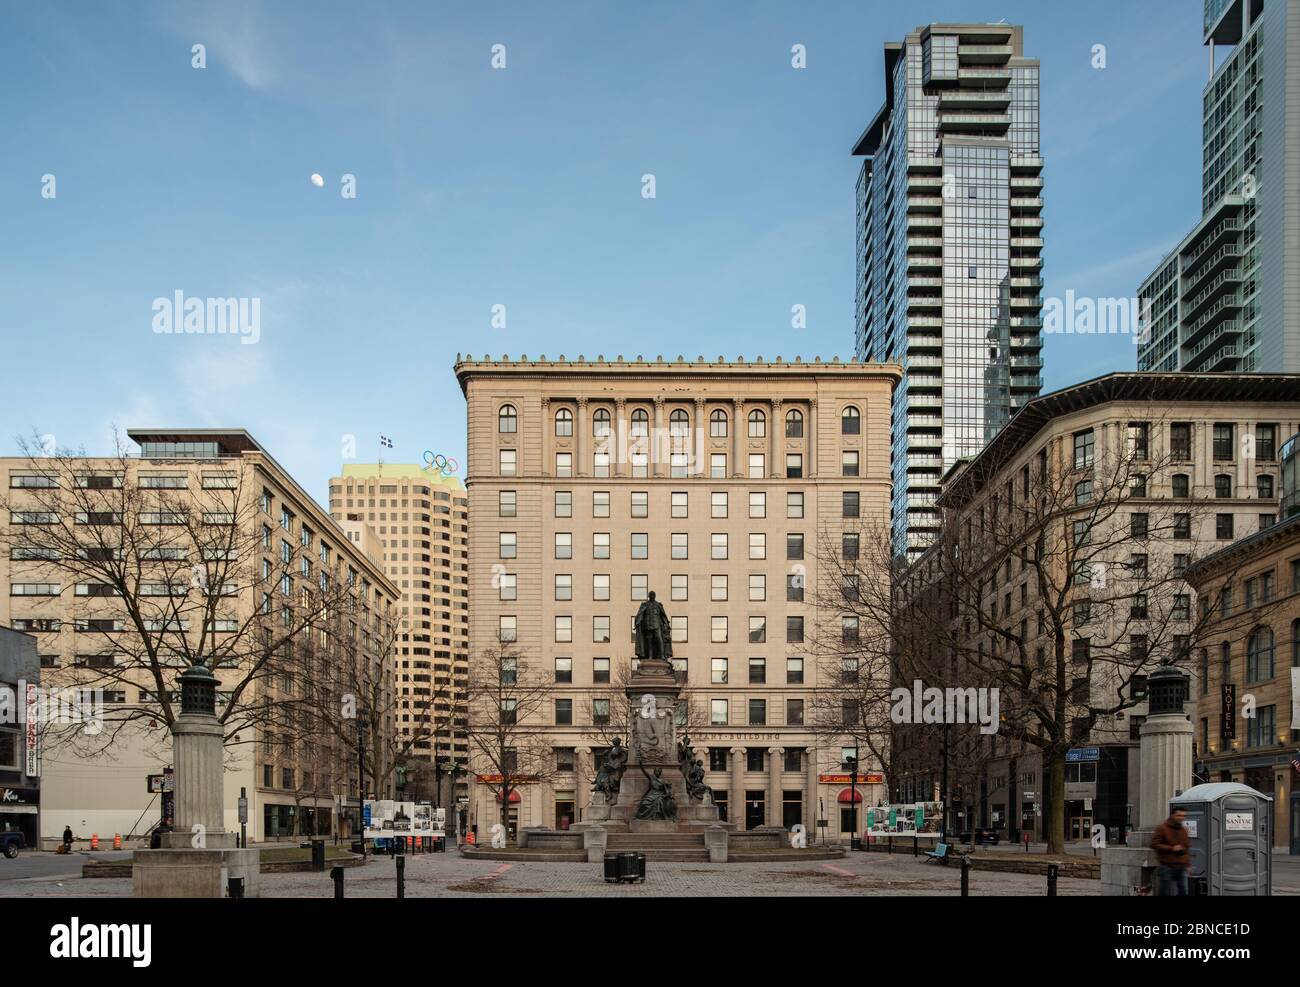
11,843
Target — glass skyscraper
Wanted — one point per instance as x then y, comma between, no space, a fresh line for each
949,244
1227,297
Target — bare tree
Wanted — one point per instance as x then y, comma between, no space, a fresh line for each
167,577
1062,588
508,704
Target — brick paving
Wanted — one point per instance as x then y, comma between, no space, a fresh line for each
451,876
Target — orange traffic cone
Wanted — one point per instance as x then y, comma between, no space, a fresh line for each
94,841
117,841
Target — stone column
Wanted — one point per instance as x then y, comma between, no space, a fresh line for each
197,747
581,784
1166,764
619,439
657,445
702,445
810,795
736,798
580,439
548,429
778,423
810,467
775,793
739,430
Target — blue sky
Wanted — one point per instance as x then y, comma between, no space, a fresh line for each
518,187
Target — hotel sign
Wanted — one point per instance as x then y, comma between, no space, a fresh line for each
32,743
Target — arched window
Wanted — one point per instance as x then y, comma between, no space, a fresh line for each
850,421
679,424
1259,655
640,423
507,419
794,424
757,424
564,423
600,423
718,424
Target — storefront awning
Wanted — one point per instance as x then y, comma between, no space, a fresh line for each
849,795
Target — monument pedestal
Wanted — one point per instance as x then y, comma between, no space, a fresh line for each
198,856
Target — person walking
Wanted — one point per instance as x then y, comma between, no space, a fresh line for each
67,839
1172,844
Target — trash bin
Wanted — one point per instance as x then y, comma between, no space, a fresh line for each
631,867
611,868
358,846
1229,828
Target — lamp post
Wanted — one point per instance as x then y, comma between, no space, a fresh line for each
361,780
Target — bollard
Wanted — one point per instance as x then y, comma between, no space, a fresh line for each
914,848
1026,842
401,877
337,874
891,844
965,876
1052,871
235,887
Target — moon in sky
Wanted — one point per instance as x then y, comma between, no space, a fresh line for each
318,181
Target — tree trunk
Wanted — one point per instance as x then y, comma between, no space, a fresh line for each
1054,801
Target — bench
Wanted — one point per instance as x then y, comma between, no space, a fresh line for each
939,853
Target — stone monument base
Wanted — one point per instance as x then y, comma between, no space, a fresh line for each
189,873
1126,869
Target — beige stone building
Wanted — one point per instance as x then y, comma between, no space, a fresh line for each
419,518
1251,593
592,483
189,508
1198,456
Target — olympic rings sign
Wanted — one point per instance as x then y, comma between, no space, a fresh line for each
443,464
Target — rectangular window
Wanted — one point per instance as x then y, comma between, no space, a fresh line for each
679,587
600,629
849,462
757,587
756,468
563,671
718,503
680,545
507,503
600,465
794,713
640,586
718,712
758,716
563,586
793,466
1223,526
564,464
600,545
640,545
563,630
718,587
718,671
564,503
600,671
794,630
507,462
757,545
1083,449
794,546
640,503
564,544
679,503
718,630
1266,442
600,503
757,671
718,466
757,503
507,629
508,586
718,545
507,548
758,630
794,588
1223,442
794,504
849,503
794,671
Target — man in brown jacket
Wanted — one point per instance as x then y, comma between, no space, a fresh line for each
1172,845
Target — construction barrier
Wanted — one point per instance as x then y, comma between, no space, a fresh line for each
117,841
469,838
94,841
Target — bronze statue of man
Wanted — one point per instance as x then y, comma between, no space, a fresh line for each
654,634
